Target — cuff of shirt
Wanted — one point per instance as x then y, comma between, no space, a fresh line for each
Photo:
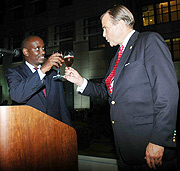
83,86
41,75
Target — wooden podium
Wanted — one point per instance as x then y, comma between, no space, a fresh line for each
30,140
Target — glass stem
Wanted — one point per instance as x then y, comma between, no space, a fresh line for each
58,71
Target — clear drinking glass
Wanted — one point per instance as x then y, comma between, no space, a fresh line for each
68,58
58,75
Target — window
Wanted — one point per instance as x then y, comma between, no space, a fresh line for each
18,13
41,33
17,9
15,3
64,36
93,33
161,12
39,6
168,42
66,45
174,47
148,15
175,10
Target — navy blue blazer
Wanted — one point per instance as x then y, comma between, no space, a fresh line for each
26,88
143,105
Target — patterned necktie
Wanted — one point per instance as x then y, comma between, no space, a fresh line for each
110,78
44,90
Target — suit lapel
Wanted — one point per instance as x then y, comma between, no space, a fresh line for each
47,84
48,81
26,72
125,56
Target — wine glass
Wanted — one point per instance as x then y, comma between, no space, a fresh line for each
58,75
68,58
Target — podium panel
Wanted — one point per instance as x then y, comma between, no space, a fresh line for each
31,140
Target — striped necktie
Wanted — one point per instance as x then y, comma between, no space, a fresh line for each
110,78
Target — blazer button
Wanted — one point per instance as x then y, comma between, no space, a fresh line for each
113,102
113,122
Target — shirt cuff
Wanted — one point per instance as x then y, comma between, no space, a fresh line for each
83,86
41,75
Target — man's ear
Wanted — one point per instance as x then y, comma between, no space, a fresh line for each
122,24
25,52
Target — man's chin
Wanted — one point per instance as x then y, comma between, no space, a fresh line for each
111,44
41,60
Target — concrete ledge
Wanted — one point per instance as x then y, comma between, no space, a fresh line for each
89,163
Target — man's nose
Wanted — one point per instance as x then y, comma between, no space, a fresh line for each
42,51
104,35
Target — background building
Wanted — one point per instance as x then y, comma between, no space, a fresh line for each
75,24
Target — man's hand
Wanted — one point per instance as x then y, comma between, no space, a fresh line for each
54,60
154,154
73,76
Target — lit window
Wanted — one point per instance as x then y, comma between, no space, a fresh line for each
168,42
148,15
162,12
175,10
176,48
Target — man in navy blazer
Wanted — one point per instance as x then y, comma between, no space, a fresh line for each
144,98
27,81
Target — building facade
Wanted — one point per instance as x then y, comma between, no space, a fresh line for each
75,24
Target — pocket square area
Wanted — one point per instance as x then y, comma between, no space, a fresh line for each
126,64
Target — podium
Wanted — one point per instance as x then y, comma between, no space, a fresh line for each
31,140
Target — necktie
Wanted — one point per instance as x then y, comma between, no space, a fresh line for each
44,90
110,78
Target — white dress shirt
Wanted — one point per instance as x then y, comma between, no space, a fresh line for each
83,86
41,75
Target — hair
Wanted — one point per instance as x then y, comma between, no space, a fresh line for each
24,43
120,12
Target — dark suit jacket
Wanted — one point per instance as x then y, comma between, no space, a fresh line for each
26,88
144,101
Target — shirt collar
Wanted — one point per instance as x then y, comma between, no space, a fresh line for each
31,66
127,38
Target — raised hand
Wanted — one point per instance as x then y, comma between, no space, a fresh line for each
73,76
54,60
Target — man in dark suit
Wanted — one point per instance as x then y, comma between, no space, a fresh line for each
32,84
142,89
